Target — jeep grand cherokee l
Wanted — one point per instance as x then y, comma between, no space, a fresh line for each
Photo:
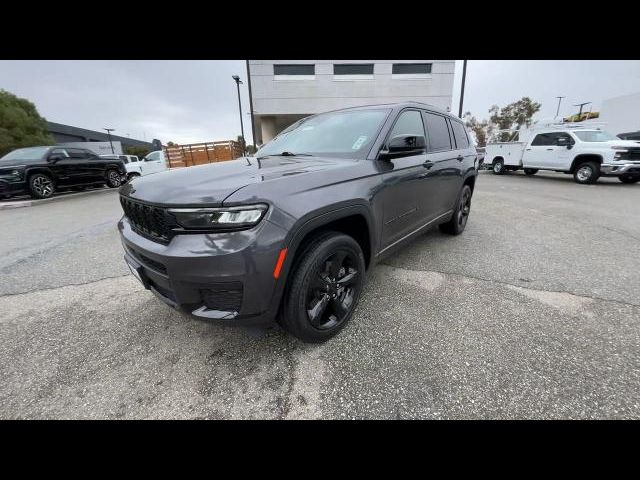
39,171
288,235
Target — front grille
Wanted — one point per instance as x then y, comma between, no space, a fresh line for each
631,154
151,221
226,297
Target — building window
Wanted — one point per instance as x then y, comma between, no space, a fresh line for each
353,71
411,70
294,72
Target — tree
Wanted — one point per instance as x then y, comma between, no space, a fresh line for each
20,124
481,129
140,152
171,144
513,116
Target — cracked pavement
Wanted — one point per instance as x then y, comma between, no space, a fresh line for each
534,312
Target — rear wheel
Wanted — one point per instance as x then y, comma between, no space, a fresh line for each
629,178
325,288
587,173
458,221
114,180
498,166
530,171
41,186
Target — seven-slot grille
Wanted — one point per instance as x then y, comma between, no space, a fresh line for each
153,222
631,154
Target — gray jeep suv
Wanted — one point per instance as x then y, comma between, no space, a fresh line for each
288,235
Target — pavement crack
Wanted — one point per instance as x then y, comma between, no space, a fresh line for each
502,282
36,290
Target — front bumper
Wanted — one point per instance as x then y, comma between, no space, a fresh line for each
620,168
224,277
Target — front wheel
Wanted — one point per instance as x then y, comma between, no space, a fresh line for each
587,173
114,180
629,178
498,167
530,171
458,221
325,288
41,186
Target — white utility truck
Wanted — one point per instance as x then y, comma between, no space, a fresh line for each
584,151
154,162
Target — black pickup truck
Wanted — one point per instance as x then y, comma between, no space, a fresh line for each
40,171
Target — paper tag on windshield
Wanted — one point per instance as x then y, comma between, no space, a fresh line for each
359,142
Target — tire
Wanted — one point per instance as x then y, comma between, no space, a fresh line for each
131,176
41,186
114,179
530,171
458,221
587,173
629,178
498,167
315,308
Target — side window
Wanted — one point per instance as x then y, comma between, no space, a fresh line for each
77,153
543,139
153,157
124,158
92,155
438,132
460,134
562,138
59,151
133,158
408,123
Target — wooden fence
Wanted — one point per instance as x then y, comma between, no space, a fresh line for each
200,153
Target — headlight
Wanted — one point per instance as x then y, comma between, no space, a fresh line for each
219,218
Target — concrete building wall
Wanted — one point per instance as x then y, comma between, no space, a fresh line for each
278,101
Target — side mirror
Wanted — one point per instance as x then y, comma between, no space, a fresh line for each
54,157
403,145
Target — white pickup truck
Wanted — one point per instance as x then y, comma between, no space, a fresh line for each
586,152
154,162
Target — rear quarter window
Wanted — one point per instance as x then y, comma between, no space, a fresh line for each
460,134
438,132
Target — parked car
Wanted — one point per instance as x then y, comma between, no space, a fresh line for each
40,171
287,235
586,152
154,162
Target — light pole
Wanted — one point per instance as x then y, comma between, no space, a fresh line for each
558,110
253,128
238,82
464,77
109,130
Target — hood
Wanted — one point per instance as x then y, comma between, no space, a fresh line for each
210,184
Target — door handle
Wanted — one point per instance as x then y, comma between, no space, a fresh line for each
549,149
527,149
428,164
460,158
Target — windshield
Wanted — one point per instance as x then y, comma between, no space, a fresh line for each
595,136
26,153
341,134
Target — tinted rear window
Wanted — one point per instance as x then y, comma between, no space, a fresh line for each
438,132
460,134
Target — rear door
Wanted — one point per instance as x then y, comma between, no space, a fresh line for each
445,170
541,152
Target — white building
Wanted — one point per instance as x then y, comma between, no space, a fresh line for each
621,114
284,91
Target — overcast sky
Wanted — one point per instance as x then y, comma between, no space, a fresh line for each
193,101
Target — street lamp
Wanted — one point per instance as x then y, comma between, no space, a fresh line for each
238,82
109,130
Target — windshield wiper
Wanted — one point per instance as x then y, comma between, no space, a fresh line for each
286,154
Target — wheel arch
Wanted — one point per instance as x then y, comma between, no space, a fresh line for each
33,170
585,157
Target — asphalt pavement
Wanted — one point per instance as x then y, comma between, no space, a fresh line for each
533,312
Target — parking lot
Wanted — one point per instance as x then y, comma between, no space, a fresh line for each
533,312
